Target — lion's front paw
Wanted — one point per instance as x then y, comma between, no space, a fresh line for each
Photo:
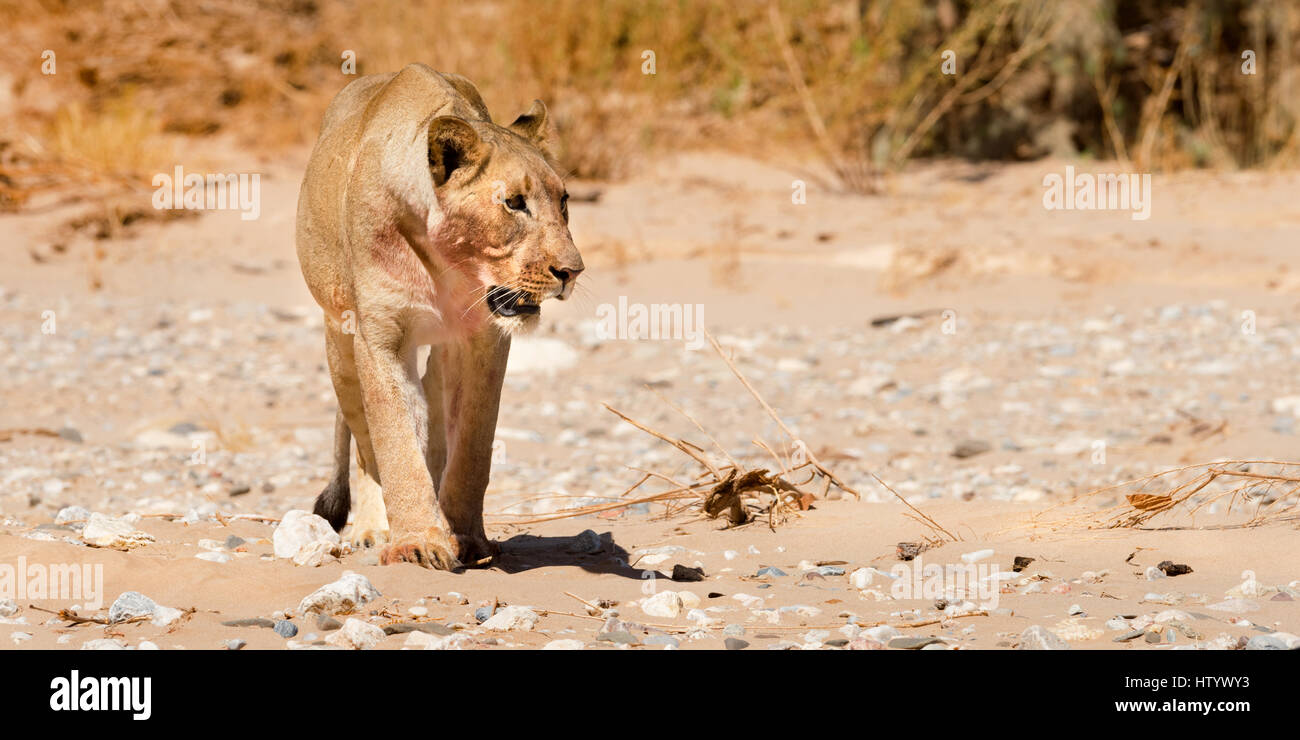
432,549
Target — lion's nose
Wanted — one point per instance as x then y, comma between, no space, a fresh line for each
566,274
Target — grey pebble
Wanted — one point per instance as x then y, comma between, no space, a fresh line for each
618,637
1037,637
1265,642
912,643
129,605
286,629
733,643
326,623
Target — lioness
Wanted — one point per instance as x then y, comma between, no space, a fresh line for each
422,222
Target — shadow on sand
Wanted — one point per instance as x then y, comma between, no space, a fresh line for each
594,553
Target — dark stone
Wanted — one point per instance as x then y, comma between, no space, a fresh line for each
1171,568
735,643
587,542
286,629
251,622
1020,563
432,628
971,448
683,574
909,550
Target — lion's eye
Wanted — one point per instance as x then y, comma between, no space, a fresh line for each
516,203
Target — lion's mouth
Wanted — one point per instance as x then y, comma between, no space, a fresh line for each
506,302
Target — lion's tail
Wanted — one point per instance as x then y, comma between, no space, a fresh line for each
335,501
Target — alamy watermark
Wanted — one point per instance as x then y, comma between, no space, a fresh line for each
77,693
211,192
680,321
81,582
1086,191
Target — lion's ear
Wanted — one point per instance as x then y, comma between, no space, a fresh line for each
532,125
453,144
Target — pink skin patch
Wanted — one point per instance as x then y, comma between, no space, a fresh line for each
456,288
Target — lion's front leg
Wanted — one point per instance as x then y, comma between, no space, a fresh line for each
472,374
396,414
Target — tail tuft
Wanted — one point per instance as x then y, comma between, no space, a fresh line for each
333,504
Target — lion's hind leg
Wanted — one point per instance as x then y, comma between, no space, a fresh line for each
370,526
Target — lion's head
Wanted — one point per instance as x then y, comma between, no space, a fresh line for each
505,216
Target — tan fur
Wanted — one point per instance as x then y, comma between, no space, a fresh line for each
402,229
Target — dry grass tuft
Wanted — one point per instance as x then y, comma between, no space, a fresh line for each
119,140
1251,492
734,492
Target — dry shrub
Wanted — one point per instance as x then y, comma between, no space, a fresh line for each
118,140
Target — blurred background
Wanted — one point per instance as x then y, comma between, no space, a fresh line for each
845,89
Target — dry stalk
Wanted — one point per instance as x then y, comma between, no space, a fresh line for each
1266,497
